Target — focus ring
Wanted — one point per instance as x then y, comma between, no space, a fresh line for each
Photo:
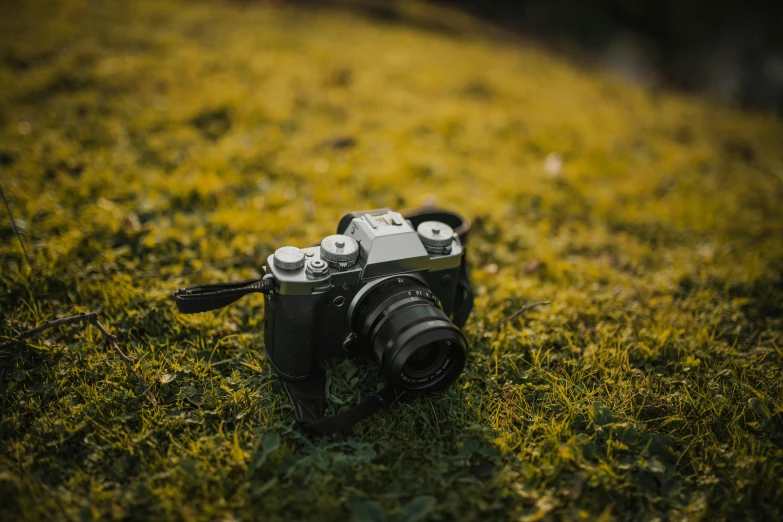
412,316
407,318
378,297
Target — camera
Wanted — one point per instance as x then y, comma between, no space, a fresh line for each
388,287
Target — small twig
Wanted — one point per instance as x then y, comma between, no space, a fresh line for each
13,223
110,339
81,318
517,314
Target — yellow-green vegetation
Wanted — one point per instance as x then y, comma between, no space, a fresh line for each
144,140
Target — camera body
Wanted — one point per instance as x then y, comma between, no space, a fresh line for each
319,291
394,289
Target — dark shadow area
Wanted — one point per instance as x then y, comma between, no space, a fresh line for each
729,49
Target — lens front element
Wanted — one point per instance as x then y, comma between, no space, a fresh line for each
426,363
416,345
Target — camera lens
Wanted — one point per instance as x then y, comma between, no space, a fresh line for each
424,362
416,345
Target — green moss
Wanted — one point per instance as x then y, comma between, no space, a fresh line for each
141,140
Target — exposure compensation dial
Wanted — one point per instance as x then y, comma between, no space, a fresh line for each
435,236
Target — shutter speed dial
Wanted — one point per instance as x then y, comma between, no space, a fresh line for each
340,251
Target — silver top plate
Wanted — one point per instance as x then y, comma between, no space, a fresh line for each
388,245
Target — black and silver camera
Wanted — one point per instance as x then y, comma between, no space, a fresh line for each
389,287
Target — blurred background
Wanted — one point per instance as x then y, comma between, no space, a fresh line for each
730,50
186,120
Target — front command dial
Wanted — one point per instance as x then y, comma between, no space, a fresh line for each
340,251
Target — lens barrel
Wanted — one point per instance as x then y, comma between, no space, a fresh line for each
416,345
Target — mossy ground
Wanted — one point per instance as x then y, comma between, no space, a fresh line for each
143,140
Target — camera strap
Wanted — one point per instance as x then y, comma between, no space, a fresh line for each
308,398
203,298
